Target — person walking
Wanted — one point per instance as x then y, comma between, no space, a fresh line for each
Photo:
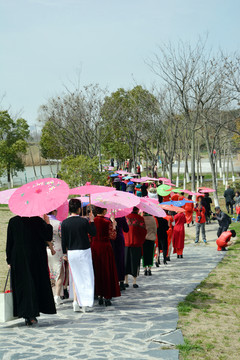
27,238
163,237
229,199
188,207
134,240
118,246
179,234
105,270
148,245
206,202
200,221
76,249
56,262
223,220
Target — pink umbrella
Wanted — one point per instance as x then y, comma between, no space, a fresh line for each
154,201
119,213
62,211
117,200
90,189
206,190
136,180
150,208
163,179
5,195
39,197
169,183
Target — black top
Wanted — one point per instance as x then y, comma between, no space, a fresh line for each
229,195
27,255
75,232
223,219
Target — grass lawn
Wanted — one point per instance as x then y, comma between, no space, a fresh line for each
210,316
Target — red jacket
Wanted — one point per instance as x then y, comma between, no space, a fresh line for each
137,231
223,240
200,212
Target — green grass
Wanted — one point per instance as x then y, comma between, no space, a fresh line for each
188,347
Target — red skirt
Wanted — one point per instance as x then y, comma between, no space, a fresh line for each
105,270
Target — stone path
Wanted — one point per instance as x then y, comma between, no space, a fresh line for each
140,325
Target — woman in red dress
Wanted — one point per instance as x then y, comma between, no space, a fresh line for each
179,234
189,211
105,270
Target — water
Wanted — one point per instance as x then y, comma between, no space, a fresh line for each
23,177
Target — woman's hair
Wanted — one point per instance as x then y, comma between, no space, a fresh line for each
237,192
135,209
189,197
233,233
74,205
51,212
99,210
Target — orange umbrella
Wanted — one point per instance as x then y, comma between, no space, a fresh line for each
171,208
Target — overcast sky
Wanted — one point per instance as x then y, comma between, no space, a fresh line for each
46,43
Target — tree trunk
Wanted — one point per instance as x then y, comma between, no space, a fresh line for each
232,167
197,165
227,174
193,161
178,171
224,167
33,165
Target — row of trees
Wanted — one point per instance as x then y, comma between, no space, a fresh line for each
194,107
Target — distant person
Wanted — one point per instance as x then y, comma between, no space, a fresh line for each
148,245
207,201
139,171
200,221
224,240
229,198
179,234
112,162
189,211
155,171
223,220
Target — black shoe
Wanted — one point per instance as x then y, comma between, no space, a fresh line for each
187,225
108,302
135,286
100,301
145,272
31,321
165,262
224,249
126,285
178,256
66,294
157,264
122,286
168,258
149,272
181,256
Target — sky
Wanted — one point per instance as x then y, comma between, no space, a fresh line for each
46,44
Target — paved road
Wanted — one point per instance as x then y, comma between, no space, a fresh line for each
138,325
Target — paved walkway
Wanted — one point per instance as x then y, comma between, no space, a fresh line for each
138,325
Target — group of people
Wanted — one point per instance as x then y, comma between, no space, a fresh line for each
92,255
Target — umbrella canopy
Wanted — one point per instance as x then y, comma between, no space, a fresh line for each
178,203
136,180
171,208
119,213
114,175
169,183
117,179
164,190
117,200
206,190
163,179
5,195
122,172
90,189
62,211
178,190
150,208
127,177
39,197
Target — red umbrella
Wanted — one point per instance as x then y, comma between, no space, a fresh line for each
39,197
171,208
